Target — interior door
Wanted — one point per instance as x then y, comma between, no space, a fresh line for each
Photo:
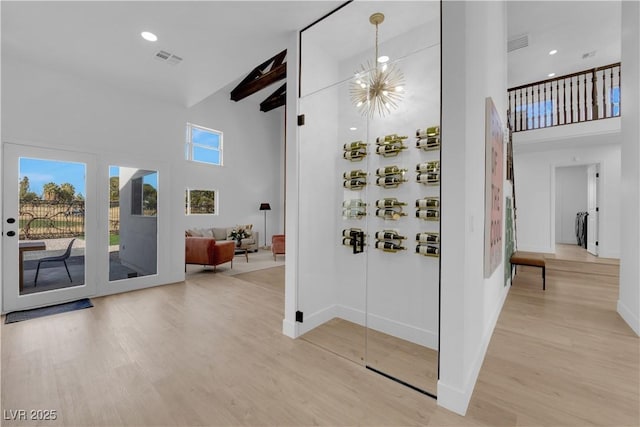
48,226
592,208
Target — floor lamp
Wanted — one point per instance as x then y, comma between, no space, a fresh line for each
265,207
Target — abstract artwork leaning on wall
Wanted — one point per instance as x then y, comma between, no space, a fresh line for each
494,140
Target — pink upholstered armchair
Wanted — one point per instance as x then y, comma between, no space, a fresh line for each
277,245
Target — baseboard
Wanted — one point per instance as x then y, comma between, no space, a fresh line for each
456,399
289,328
632,320
316,319
539,249
400,330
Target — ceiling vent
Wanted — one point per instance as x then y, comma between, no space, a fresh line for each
168,57
588,55
517,42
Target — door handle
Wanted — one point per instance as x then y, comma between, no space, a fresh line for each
11,233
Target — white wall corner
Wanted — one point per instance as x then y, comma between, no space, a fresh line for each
289,328
632,320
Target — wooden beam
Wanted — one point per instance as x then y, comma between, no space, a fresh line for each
275,100
265,74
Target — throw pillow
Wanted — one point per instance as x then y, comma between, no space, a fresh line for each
220,233
195,232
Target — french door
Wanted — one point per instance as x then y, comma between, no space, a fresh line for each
49,226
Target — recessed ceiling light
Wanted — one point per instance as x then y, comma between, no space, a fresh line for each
551,74
352,128
149,36
553,52
382,59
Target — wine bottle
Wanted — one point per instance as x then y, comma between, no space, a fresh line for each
428,167
355,145
389,235
430,143
428,214
354,184
353,213
389,203
390,150
428,250
389,246
351,232
348,241
354,155
428,202
390,213
428,178
389,170
426,237
390,181
389,138
358,173
353,203
425,133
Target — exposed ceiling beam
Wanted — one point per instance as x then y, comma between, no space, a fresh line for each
275,100
265,74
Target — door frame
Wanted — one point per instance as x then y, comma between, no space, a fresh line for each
11,299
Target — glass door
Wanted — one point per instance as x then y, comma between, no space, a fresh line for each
48,227
369,194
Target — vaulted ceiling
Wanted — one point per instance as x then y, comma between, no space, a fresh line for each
221,41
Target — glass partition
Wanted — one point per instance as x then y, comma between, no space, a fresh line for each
369,187
133,222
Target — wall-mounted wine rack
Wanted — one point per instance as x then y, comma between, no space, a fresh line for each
390,145
428,173
355,151
390,176
428,139
389,241
355,238
428,244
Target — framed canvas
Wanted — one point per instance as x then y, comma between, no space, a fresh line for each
494,154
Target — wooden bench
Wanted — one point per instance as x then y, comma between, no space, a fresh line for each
531,259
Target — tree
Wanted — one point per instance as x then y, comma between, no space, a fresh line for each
114,189
67,192
149,197
50,191
25,194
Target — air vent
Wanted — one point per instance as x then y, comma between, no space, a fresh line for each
168,57
518,42
589,54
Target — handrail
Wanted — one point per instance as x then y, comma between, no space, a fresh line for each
571,98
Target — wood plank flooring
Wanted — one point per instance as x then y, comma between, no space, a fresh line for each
210,351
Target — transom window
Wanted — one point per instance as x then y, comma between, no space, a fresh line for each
203,145
200,202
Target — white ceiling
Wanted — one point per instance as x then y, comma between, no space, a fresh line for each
221,41
571,27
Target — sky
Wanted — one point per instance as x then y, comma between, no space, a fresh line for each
41,172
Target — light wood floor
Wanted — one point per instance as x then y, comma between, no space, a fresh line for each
210,352
414,364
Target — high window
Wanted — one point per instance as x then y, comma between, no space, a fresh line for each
203,145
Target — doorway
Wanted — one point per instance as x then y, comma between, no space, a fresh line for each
49,232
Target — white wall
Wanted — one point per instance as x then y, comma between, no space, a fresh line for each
44,107
252,162
629,299
535,195
571,198
473,67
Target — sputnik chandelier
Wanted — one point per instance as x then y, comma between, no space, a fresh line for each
377,87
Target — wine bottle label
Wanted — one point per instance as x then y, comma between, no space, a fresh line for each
389,203
347,241
354,155
428,167
431,131
389,235
389,214
428,202
389,181
428,178
354,174
389,246
354,184
428,237
388,138
428,250
354,145
431,143
428,214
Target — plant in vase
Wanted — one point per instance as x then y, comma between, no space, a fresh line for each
238,233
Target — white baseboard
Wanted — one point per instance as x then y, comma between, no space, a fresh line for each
316,319
542,249
632,320
289,328
456,399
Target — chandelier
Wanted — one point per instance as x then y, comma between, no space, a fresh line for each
377,87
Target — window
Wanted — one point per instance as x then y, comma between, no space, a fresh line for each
615,101
144,194
200,202
203,145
